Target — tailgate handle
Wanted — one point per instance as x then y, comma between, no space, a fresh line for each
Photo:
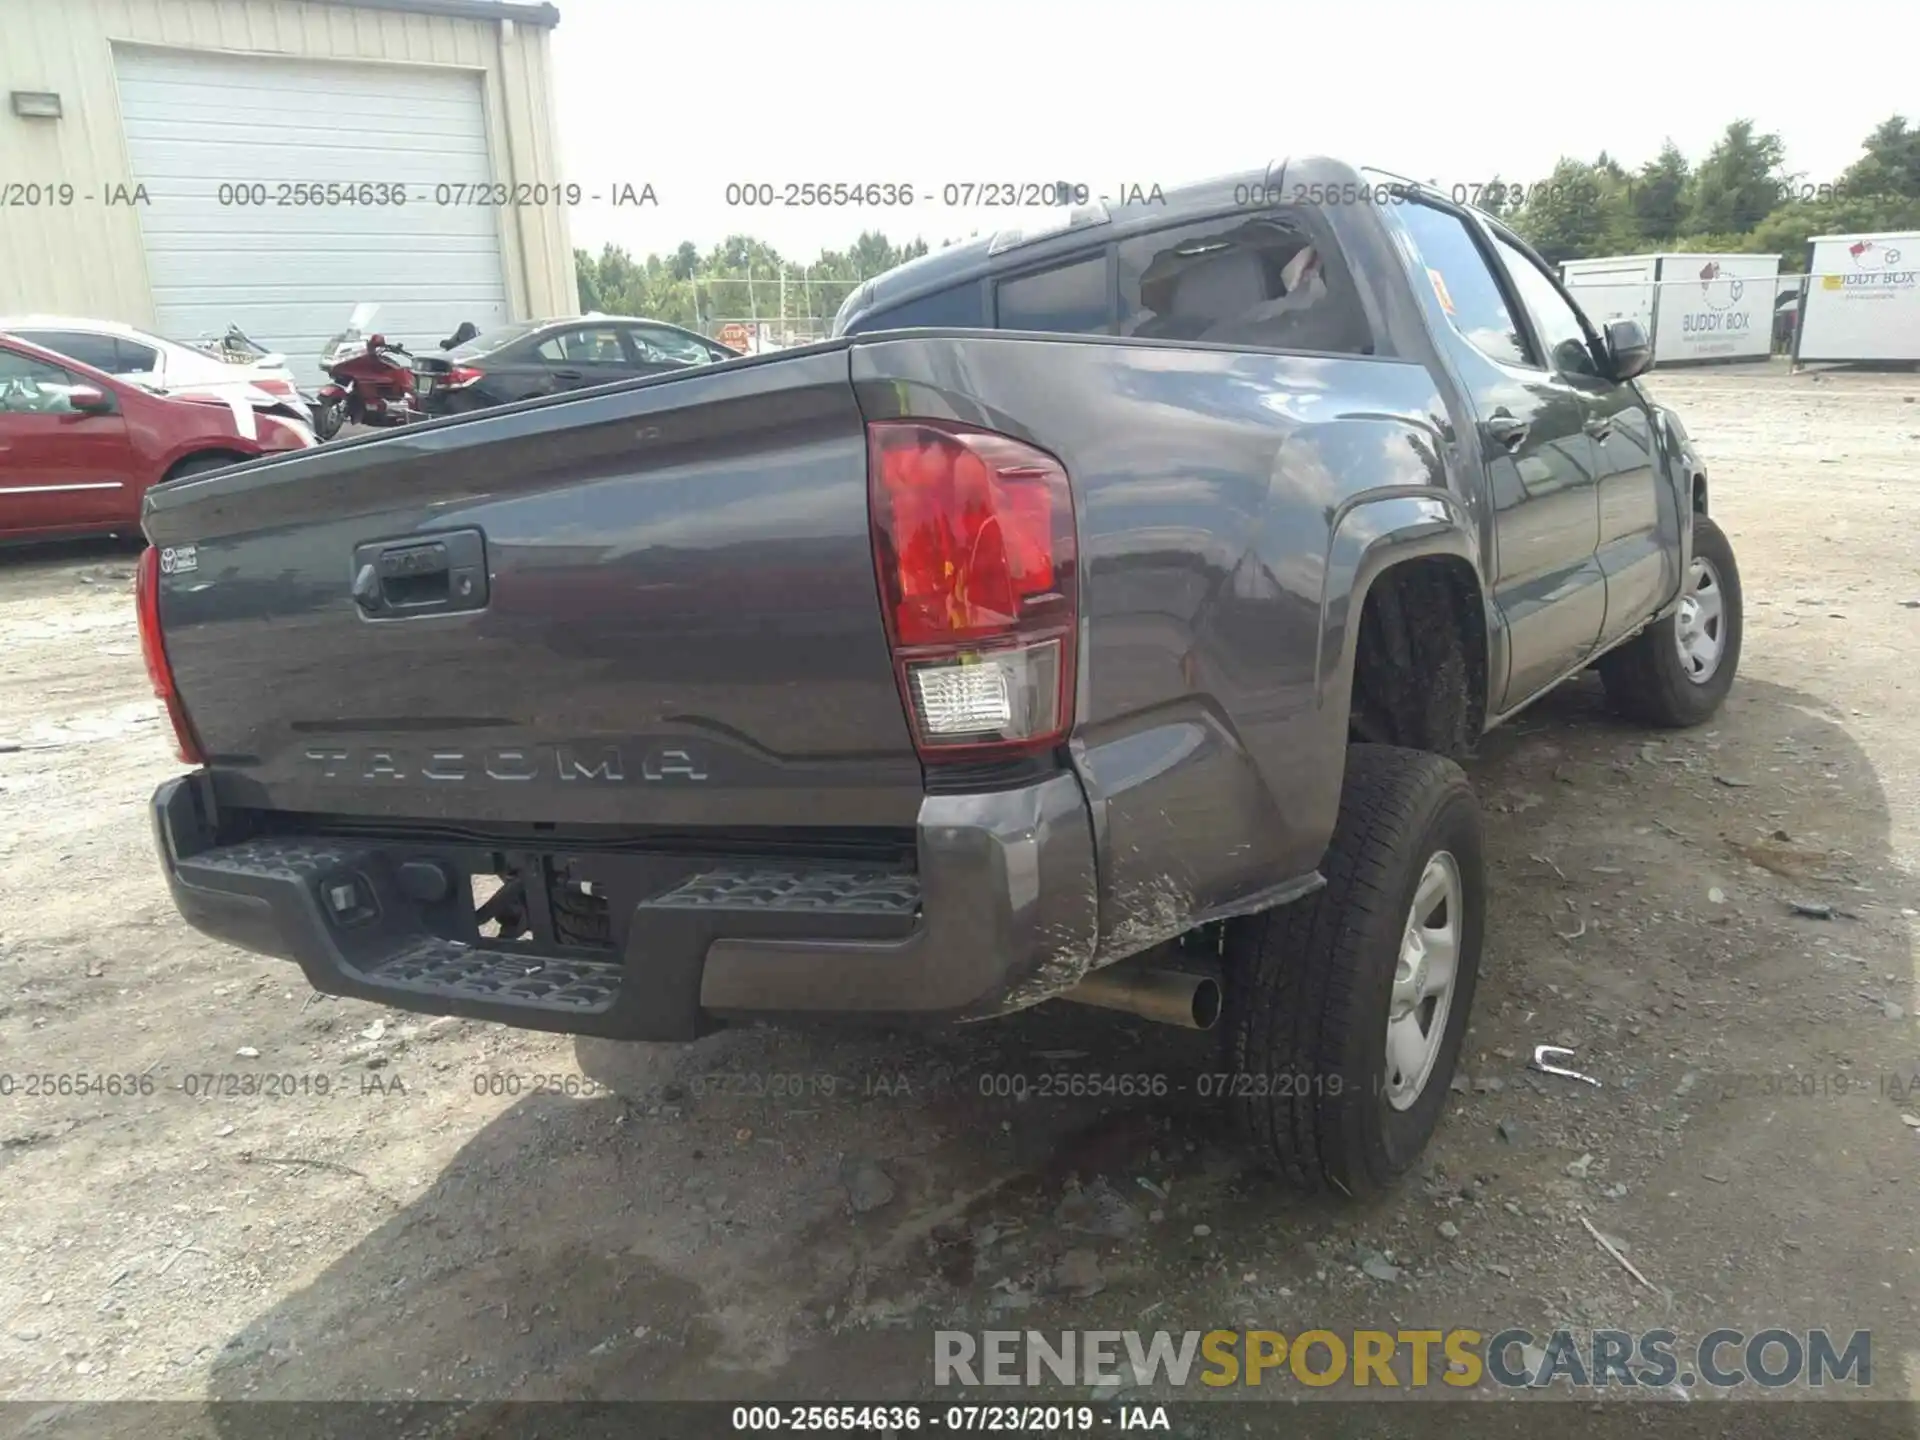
397,579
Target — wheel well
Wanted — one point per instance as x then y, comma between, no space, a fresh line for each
1420,664
1699,494
199,457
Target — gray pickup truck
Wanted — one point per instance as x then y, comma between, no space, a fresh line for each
1093,618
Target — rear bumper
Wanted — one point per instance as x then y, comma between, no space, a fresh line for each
1001,910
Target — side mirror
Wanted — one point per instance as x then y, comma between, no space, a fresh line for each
1629,352
86,400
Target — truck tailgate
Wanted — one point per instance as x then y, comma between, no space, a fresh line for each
651,605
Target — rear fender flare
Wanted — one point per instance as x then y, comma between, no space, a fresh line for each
1370,534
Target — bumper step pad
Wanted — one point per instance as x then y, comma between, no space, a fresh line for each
849,892
432,966
393,950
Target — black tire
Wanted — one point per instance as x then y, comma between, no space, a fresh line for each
202,464
580,918
1646,679
327,420
1309,984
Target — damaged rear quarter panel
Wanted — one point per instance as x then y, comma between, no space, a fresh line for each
1207,482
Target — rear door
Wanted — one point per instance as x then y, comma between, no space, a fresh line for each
58,469
1540,461
584,355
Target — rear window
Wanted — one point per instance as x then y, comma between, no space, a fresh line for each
656,343
1071,298
957,308
1266,282
1236,282
493,340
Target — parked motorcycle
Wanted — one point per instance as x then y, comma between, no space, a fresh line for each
371,379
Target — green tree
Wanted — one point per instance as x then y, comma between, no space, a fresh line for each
1491,198
1739,183
1731,202
742,277
1565,217
1879,191
1891,164
1658,199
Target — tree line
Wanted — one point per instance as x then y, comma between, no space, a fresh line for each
1739,199
740,278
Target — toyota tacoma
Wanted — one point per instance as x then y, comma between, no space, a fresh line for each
1096,616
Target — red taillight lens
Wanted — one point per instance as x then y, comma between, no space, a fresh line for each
461,376
282,388
974,539
154,649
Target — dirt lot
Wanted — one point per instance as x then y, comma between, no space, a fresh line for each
793,1215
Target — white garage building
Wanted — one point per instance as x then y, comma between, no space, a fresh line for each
185,165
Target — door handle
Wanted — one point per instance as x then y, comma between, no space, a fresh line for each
393,579
1508,430
566,375
1599,429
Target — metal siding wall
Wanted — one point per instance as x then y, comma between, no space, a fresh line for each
51,257
557,290
89,259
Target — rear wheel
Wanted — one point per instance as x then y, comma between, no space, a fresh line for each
1346,1010
1678,670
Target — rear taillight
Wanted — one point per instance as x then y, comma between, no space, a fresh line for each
974,540
154,649
461,376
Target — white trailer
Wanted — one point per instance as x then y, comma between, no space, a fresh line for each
1620,288
1694,307
1863,299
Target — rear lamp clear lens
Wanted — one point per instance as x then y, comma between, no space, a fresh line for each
988,697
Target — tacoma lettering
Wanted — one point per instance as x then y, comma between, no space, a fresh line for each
603,765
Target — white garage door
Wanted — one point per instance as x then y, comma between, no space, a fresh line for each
290,273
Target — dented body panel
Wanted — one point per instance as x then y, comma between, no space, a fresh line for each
668,678
1214,601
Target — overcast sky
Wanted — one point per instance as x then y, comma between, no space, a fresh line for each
927,92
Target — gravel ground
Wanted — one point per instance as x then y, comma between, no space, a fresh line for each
474,1213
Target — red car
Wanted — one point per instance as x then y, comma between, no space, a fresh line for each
79,449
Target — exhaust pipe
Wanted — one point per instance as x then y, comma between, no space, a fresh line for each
1168,997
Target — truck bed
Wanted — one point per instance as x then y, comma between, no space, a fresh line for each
680,623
